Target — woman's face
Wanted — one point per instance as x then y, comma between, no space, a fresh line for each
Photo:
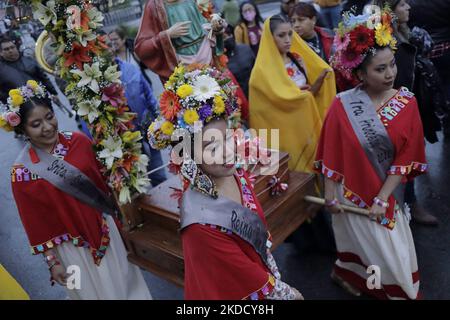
283,37
217,158
304,26
380,72
402,11
117,42
248,12
41,127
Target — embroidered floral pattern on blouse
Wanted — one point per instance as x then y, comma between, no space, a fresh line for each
97,254
405,170
395,105
263,292
19,173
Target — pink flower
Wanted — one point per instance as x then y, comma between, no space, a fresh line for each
114,95
350,59
13,119
341,43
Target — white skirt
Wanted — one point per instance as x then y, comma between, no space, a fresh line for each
362,243
114,279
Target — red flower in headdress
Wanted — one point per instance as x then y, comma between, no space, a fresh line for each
361,38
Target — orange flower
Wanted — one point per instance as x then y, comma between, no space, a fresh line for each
84,23
101,42
386,19
78,56
169,104
196,66
128,162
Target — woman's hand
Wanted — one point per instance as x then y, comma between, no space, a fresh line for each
376,211
336,209
333,206
305,87
319,82
59,274
179,29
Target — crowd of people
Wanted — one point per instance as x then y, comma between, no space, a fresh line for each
354,102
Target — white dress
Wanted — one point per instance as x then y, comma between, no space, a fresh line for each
361,243
114,279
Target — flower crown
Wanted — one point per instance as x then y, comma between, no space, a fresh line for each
193,96
357,36
9,113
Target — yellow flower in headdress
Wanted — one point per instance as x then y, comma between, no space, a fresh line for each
383,35
393,44
16,100
167,128
32,84
190,116
219,105
14,92
4,124
184,91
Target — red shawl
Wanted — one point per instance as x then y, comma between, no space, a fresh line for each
341,158
219,265
153,45
50,216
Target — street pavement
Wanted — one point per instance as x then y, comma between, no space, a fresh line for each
307,270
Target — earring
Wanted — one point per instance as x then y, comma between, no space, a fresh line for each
197,178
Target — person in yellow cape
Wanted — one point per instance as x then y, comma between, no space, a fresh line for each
291,89
9,288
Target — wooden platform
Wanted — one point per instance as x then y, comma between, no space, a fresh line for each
153,238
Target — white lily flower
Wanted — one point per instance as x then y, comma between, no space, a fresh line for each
84,36
124,196
89,76
112,75
142,163
112,150
45,14
89,108
95,18
141,184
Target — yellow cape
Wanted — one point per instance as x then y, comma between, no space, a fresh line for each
277,103
9,288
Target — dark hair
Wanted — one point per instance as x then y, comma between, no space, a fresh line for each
121,32
27,107
368,58
258,18
229,30
303,9
276,20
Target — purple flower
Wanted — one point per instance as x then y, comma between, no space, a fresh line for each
205,112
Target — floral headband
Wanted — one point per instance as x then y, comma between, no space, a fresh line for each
9,113
193,96
357,36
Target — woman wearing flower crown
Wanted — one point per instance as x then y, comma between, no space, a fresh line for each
416,72
371,144
223,229
64,203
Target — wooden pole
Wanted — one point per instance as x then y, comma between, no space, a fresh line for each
355,210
